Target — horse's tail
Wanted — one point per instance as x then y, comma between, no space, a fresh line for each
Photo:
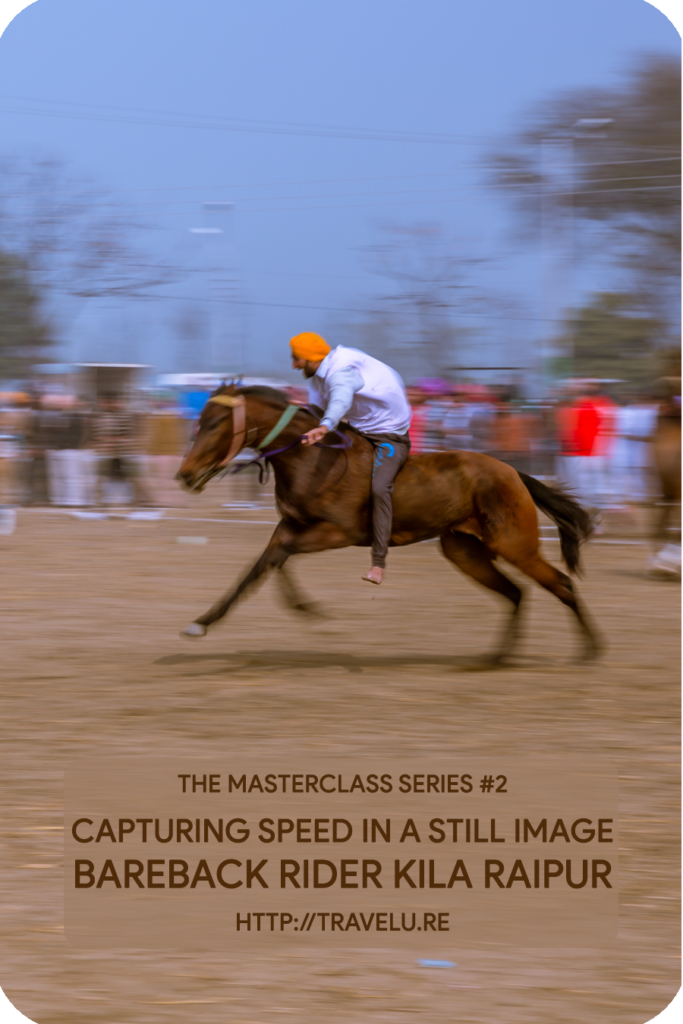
574,522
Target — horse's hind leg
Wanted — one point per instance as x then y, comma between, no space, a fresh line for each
294,597
474,558
559,584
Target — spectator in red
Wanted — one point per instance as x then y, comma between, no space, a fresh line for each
592,416
565,430
586,425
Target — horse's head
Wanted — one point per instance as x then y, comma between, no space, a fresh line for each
232,419
220,434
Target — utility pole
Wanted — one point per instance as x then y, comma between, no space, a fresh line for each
226,341
557,246
558,237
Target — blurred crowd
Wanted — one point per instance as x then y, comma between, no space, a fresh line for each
57,450
597,444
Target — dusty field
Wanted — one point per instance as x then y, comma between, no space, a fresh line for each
92,663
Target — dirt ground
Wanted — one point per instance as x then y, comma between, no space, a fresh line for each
93,664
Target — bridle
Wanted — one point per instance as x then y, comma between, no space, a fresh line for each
239,424
239,434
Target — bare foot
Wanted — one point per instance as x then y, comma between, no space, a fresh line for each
375,575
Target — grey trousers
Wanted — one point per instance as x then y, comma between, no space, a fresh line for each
391,451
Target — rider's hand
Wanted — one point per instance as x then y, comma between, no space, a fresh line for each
317,434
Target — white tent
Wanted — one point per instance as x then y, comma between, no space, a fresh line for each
210,381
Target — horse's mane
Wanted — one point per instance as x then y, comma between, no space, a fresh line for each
263,391
273,395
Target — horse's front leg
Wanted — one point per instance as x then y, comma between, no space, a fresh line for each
274,556
288,539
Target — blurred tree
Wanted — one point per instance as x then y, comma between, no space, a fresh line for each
625,173
24,335
613,338
72,237
415,324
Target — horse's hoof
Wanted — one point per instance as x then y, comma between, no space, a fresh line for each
500,660
484,663
194,629
591,652
666,564
313,611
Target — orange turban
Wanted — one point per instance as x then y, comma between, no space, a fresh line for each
309,346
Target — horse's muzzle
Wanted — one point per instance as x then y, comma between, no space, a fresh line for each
187,478
195,481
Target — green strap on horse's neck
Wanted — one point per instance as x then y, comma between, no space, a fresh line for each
289,414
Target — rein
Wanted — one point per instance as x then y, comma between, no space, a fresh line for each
237,403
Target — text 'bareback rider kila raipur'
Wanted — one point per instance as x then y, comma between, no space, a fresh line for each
349,384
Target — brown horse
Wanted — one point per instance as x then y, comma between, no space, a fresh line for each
479,508
666,456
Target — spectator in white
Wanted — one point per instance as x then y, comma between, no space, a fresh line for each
10,449
67,473
350,384
635,425
39,435
603,453
117,443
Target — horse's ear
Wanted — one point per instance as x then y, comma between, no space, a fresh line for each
226,389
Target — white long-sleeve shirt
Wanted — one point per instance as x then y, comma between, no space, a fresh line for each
367,393
343,385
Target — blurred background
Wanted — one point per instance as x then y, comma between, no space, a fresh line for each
487,197
491,207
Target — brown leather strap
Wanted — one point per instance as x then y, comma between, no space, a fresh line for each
239,421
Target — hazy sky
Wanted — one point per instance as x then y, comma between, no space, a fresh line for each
74,76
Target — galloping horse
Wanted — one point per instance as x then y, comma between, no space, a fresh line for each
478,507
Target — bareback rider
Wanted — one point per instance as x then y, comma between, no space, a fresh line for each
370,396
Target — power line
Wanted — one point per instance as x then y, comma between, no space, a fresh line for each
421,191
306,181
420,202
233,124
498,189
411,202
216,123
230,120
346,309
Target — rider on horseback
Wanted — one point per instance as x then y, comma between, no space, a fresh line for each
371,397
